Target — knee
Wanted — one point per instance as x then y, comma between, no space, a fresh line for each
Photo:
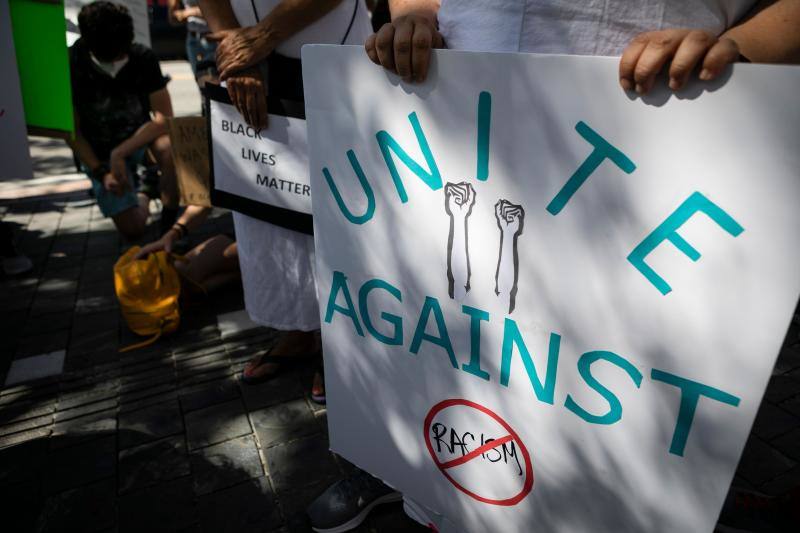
131,224
162,151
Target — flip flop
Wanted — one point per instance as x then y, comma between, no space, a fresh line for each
282,362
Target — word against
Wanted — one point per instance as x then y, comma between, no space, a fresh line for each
602,150
431,317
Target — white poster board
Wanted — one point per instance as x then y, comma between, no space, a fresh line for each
137,9
548,305
15,153
262,173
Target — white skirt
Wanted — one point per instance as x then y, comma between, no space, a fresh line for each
277,267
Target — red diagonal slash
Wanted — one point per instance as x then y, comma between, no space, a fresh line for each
476,452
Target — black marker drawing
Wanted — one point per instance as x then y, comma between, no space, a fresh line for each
458,201
510,218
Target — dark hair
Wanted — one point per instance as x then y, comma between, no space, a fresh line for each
107,29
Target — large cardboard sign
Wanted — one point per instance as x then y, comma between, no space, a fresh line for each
15,153
548,305
189,144
263,174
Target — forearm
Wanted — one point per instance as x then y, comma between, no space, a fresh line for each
291,16
400,8
218,14
771,34
83,151
505,267
193,216
146,134
458,255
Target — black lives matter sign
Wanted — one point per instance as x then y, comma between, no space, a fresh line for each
260,173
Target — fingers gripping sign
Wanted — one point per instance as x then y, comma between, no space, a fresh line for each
682,49
404,45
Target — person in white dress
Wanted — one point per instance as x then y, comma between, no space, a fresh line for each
277,264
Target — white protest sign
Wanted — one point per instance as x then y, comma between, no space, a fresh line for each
548,305
268,166
13,131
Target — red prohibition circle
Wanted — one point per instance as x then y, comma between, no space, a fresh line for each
526,488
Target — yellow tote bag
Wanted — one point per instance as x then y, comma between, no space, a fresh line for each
148,291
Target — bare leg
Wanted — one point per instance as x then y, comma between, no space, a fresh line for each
289,344
210,259
132,222
168,184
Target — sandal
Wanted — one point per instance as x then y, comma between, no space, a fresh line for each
281,361
318,385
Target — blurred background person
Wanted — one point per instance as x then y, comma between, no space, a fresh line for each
200,51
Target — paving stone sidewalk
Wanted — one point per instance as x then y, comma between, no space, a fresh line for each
164,438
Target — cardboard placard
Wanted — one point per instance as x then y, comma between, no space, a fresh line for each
546,304
263,174
189,141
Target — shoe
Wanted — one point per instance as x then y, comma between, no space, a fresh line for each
752,512
16,265
346,503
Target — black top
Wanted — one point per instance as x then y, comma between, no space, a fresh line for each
110,110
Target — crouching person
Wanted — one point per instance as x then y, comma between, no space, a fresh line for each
121,107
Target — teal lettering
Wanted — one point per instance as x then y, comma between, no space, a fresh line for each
614,413
667,231
431,305
388,145
397,335
602,150
475,318
690,396
365,186
338,284
484,130
511,336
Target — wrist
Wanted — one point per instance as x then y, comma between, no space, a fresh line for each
99,172
267,38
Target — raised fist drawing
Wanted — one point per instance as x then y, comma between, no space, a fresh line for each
510,218
458,201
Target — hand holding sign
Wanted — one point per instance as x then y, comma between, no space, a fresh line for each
404,45
648,52
248,92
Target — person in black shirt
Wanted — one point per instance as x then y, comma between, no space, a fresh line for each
121,107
